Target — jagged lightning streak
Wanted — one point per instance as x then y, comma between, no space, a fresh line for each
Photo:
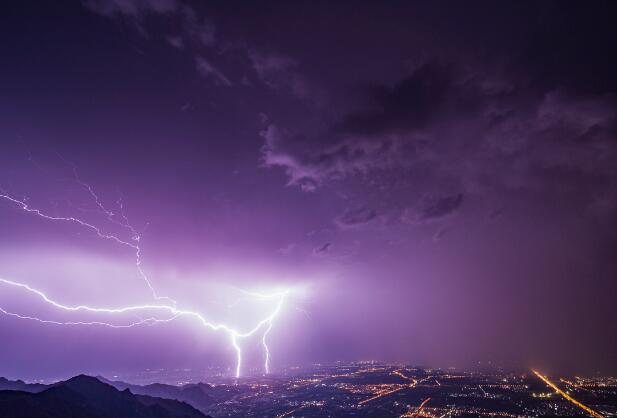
266,349
98,231
171,309
106,324
269,322
135,235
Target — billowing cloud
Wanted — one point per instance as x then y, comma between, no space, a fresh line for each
389,131
412,103
477,129
308,166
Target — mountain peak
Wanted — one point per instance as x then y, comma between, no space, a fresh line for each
83,395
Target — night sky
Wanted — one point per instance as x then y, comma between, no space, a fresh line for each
436,181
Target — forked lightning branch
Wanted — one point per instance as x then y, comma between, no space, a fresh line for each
162,310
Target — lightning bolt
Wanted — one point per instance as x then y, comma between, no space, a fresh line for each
165,307
269,323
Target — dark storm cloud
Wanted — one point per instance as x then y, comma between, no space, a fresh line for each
308,166
484,131
482,126
389,131
410,104
355,217
486,124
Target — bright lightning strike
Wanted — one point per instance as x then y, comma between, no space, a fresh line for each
165,307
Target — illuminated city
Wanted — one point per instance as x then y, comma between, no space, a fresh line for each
373,389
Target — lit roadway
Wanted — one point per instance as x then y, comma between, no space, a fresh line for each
418,412
383,393
566,396
289,413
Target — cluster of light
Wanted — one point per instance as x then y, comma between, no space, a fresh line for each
388,389
418,412
556,388
166,308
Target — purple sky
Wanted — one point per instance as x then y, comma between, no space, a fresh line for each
438,179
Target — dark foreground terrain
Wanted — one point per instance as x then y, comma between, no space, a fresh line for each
86,397
362,390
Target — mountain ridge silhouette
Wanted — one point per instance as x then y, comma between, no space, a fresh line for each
86,396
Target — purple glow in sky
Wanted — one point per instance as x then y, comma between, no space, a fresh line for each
162,304
426,182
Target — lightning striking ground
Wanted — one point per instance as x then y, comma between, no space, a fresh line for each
165,307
